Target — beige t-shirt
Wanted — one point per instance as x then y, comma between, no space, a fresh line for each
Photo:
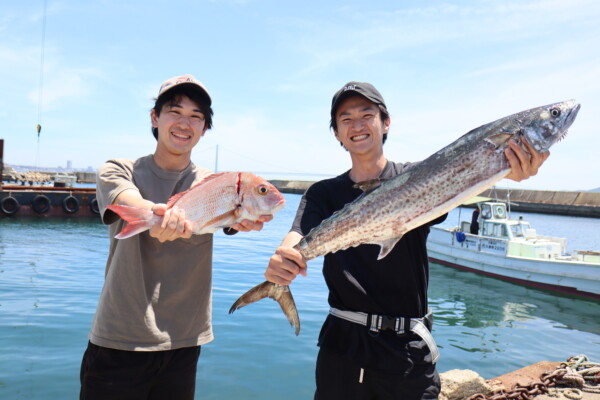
156,296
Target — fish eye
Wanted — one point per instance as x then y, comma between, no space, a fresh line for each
262,190
555,112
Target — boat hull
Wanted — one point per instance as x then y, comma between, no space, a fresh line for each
487,256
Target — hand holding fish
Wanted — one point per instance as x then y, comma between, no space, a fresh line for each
173,225
247,225
287,262
523,164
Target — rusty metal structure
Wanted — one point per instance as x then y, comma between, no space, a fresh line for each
45,201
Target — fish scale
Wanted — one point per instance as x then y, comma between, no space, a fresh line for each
214,198
424,191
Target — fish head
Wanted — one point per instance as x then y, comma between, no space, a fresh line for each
546,125
258,196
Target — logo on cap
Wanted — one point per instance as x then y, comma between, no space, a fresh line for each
349,87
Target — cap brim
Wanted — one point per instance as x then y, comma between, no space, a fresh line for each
349,93
192,86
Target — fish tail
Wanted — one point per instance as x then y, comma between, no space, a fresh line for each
138,220
279,293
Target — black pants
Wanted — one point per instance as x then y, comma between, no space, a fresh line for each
132,375
339,378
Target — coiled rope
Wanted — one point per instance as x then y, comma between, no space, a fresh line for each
582,374
571,378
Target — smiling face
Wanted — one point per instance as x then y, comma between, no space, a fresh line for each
180,124
360,128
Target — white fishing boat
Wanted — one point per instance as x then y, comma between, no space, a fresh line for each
512,250
64,180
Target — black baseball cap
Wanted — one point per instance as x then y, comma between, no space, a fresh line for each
353,88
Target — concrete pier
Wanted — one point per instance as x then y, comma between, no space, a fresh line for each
462,384
295,187
582,204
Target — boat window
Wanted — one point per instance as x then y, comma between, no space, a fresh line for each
495,229
486,211
517,230
499,211
520,229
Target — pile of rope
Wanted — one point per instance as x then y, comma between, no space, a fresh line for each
571,378
581,375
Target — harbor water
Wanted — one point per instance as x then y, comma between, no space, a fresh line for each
52,271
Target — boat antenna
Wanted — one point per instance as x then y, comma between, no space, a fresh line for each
217,159
41,88
508,202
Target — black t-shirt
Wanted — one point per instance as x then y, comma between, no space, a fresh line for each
394,286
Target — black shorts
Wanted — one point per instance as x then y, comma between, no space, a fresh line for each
339,378
118,374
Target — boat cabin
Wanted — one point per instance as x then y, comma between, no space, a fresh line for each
520,238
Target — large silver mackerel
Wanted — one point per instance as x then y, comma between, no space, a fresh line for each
424,191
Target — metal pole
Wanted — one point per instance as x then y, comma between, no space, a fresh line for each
217,159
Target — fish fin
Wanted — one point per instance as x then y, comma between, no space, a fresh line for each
387,246
138,219
498,139
281,294
367,186
224,220
173,199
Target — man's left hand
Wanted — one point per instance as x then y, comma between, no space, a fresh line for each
523,165
247,225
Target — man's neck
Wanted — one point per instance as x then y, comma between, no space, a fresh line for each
364,170
172,162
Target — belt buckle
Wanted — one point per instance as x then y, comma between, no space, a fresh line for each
387,323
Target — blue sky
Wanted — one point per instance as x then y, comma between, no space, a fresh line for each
444,68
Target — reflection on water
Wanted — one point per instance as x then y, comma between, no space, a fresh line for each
493,326
481,302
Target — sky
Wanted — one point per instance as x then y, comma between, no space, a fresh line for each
88,71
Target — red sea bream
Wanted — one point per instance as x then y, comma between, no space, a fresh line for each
218,201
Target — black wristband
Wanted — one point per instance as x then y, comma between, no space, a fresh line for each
229,231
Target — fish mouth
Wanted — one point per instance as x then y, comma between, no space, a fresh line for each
278,206
572,115
569,119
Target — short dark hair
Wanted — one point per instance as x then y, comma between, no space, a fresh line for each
174,95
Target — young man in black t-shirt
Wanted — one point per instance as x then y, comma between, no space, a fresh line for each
376,342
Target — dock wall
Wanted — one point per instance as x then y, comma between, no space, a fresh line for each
581,204
295,187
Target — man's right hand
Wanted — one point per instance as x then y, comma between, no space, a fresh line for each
287,262
173,226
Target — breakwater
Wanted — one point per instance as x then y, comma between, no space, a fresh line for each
581,204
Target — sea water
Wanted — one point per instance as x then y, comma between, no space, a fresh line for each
52,271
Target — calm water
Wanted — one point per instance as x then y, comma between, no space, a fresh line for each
51,274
